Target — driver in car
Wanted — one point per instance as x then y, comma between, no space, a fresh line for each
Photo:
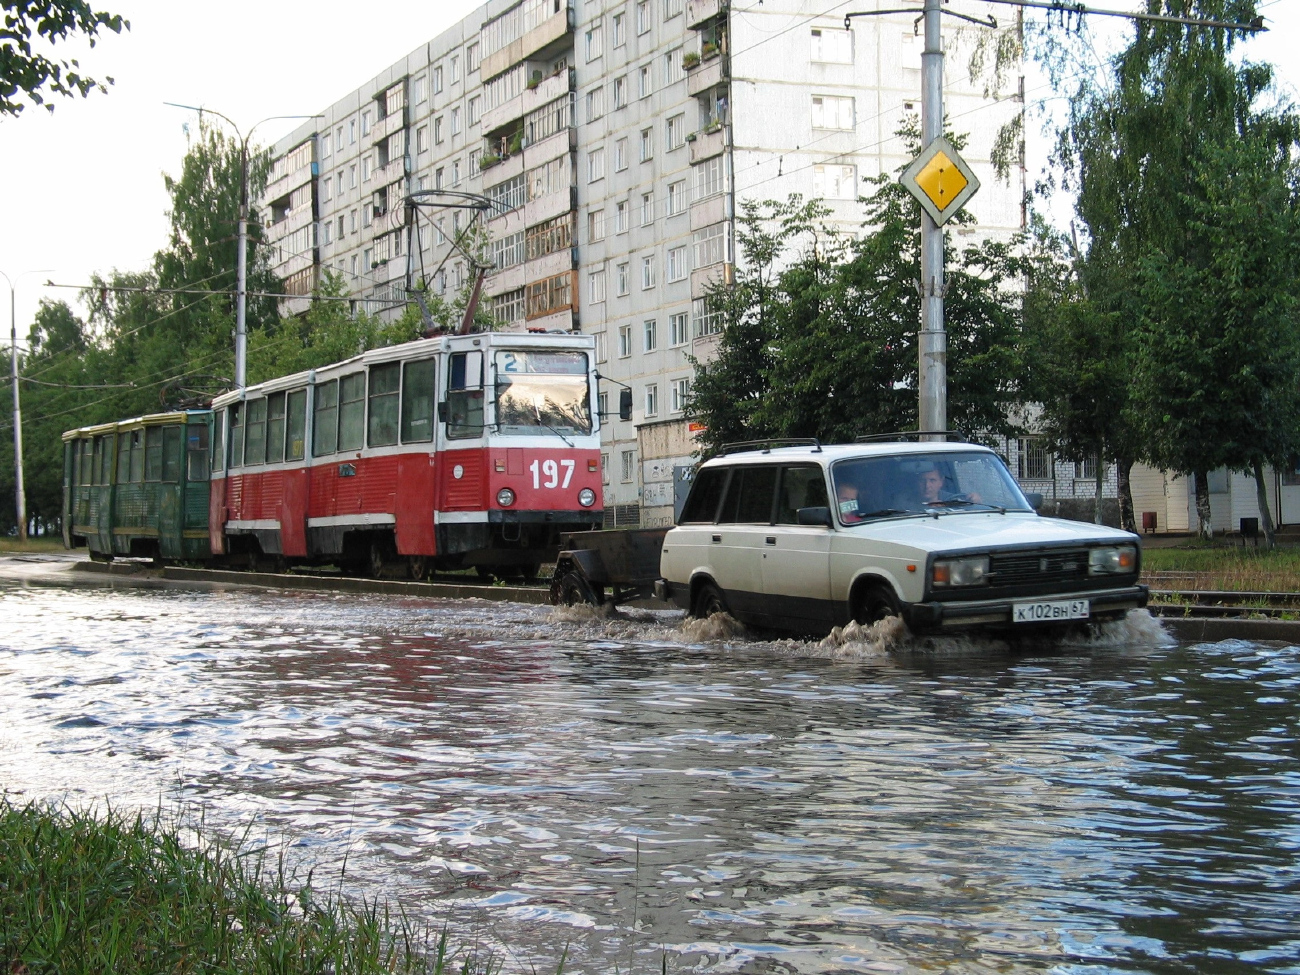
930,484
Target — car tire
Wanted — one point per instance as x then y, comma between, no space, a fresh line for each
708,600
572,589
874,605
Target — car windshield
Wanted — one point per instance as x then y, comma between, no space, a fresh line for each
539,391
909,484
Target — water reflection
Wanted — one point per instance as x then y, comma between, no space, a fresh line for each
616,786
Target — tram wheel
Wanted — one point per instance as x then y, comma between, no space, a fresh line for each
484,573
418,566
378,560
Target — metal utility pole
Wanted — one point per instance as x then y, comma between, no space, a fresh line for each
932,341
241,259
20,494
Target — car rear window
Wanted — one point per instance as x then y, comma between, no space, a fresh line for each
702,503
749,496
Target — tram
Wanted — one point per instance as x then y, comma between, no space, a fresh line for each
460,451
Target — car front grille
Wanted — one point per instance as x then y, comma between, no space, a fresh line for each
1070,565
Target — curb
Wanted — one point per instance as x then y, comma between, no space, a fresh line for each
1203,630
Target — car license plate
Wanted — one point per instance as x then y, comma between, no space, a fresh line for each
1048,610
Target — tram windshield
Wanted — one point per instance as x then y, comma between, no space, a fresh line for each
542,390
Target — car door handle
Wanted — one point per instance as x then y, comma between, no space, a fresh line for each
717,538
771,539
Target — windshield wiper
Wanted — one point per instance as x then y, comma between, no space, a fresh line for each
965,503
886,512
554,430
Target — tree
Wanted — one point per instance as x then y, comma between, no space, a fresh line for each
26,71
822,342
1172,249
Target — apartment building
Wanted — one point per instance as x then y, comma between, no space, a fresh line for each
616,139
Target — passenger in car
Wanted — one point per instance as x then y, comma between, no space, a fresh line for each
846,496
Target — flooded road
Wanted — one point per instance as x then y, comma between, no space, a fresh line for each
646,793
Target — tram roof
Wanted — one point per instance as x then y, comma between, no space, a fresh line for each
148,420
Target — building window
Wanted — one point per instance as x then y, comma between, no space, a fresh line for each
677,132
550,295
325,228
595,225
1033,461
672,8
595,43
325,189
595,165
340,227
437,130
474,104
708,178
673,70
652,400
1086,469
509,250
352,132
620,155
437,178
620,217
325,145
835,182
455,178
624,341
365,168
647,272
678,328
620,92
546,238
677,197
647,209
710,246
621,277
628,465
471,57
650,334
418,94
437,80
618,29
677,263
647,144
595,103
600,357
365,123
421,139
645,79
681,391
352,222
708,321
455,121
455,69
835,46
352,176
642,16
596,286
832,112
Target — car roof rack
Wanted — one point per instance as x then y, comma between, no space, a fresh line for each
949,436
766,445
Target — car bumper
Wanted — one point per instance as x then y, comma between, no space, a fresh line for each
997,613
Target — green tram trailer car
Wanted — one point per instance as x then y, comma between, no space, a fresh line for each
139,488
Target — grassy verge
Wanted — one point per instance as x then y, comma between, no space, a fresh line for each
111,894
1220,567
44,543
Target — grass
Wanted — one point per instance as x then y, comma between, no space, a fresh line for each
82,894
1236,569
39,543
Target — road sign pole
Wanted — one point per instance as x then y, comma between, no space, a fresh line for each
932,340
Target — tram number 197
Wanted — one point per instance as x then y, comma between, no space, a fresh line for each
546,473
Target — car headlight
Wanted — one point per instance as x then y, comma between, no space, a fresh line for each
1112,561
505,497
961,572
586,497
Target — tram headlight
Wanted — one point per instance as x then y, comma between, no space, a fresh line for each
586,497
505,497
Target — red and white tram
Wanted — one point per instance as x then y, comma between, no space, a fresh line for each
466,450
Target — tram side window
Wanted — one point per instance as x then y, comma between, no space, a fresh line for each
296,425
352,411
417,400
236,435
255,432
385,381
465,395
130,457
325,421
171,453
196,452
275,428
218,441
153,454
97,466
86,465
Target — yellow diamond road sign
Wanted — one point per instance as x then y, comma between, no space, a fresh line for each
940,179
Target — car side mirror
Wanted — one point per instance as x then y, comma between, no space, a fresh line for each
625,404
442,411
1035,500
814,516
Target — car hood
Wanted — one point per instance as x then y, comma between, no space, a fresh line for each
979,530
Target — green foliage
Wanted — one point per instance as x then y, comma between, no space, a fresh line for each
819,331
26,72
87,894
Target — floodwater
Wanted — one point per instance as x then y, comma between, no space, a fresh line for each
645,794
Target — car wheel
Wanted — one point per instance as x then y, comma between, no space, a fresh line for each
708,601
573,589
875,605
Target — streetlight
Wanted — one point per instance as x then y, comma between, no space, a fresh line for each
241,274
20,496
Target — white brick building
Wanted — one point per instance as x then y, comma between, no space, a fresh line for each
619,135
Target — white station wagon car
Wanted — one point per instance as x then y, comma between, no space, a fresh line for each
938,533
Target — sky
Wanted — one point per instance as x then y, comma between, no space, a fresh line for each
83,189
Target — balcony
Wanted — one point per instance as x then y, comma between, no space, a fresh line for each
706,75
548,206
387,125
391,172
705,279
385,223
289,182
707,144
546,91
552,29
707,212
293,220
699,12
